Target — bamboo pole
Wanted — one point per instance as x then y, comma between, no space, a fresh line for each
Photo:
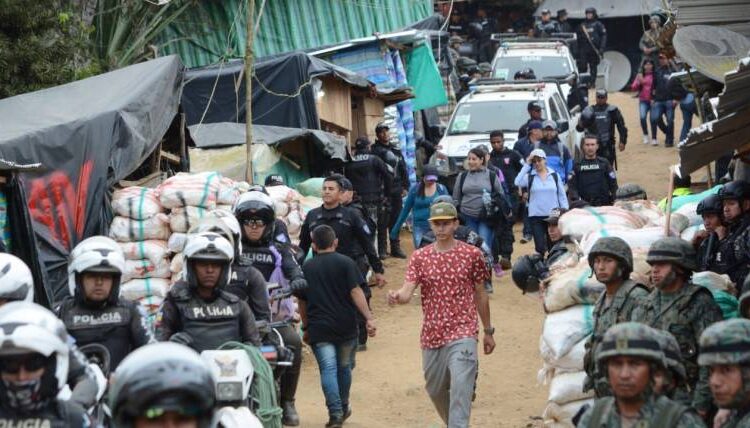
249,90
668,223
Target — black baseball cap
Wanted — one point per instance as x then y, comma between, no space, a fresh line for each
562,12
346,184
381,125
362,143
534,105
274,180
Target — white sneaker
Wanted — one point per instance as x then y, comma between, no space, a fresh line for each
654,142
645,139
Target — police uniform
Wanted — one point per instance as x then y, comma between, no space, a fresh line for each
56,414
356,207
394,159
731,255
592,39
249,285
546,29
593,181
119,327
606,118
210,323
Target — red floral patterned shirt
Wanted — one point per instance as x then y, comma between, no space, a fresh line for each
447,281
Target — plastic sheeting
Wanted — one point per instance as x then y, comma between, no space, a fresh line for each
88,135
424,76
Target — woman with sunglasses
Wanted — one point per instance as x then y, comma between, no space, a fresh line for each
546,192
418,203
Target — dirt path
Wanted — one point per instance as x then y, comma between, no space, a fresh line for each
388,385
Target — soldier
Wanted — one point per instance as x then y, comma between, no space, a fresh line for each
649,44
630,192
732,253
707,241
593,179
631,356
592,39
725,350
611,260
546,27
671,382
681,308
601,120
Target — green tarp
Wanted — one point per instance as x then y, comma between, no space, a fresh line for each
214,31
424,77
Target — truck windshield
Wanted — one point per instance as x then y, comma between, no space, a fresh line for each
484,117
544,66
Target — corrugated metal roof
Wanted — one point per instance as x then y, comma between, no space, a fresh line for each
712,12
215,30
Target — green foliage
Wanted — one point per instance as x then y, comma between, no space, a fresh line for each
41,46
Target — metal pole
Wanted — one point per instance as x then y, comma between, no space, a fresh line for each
249,90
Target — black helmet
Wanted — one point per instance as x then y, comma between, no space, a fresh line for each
737,189
257,205
525,74
591,10
162,376
614,247
587,118
711,204
528,271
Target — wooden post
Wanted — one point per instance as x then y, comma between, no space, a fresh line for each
250,29
668,222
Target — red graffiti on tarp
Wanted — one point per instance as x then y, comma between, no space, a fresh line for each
54,203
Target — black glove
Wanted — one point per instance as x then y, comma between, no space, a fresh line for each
298,284
182,338
284,354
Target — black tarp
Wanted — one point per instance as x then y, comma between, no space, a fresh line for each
217,135
282,91
88,135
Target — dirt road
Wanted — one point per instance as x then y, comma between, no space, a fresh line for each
388,385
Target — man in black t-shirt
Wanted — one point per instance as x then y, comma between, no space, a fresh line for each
328,308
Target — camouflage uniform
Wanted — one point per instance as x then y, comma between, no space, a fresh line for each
673,360
728,342
637,340
686,314
606,314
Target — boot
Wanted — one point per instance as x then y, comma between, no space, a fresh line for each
382,251
396,250
289,415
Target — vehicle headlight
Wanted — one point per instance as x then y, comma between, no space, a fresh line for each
229,391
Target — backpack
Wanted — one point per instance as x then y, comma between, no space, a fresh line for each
500,208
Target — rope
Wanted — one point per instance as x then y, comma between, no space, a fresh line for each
264,385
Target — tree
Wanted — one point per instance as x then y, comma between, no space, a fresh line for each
41,45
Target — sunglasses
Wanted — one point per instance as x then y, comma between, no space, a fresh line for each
253,222
12,365
536,160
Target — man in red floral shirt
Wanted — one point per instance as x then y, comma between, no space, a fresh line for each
451,275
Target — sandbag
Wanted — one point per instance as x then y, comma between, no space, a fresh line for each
185,189
563,330
137,289
641,270
569,287
569,363
308,203
177,263
284,193
228,192
636,238
678,223
579,222
311,187
714,281
151,250
561,416
568,387
294,225
176,242
647,210
689,233
136,202
689,211
182,219
151,304
146,269
124,229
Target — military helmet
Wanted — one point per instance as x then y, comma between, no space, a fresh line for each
591,9
673,250
631,339
672,354
630,191
737,189
614,247
725,342
711,204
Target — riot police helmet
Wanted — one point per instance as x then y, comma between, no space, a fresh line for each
16,281
98,254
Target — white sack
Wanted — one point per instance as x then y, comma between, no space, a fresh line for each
557,416
185,189
572,361
124,229
177,263
714,281
183,219
146,269
688,210
152,250
567,387
228,192
647,210
581,221
177,242
563,330
689,233
571,286
151,304
636,238
137,289
136,202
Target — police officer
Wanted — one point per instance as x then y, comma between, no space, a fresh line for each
94,311
197,311
601,120
630,356
725,351
394,159
535,115
671,382
277,264
707,241
593,179
611,260
281,232
732,256
161,385
372,180
630,192
273,180
562,21
546,27
681,308
33,370
17,285
592,39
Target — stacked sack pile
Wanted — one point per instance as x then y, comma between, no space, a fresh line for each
288,207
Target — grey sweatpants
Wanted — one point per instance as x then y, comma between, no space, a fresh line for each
450,373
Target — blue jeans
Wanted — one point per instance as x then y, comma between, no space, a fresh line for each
417,232
664,108
687,106
335,362
643,108
539,232
483,229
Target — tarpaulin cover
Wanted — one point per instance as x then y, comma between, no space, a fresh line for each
88,135
214,135
282,91
424,76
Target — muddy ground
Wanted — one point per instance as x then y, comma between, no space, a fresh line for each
388,385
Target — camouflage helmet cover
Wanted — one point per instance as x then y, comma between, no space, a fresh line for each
631,339
615,247
725,342
672,354
673,250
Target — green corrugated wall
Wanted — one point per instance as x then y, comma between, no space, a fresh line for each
215,29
